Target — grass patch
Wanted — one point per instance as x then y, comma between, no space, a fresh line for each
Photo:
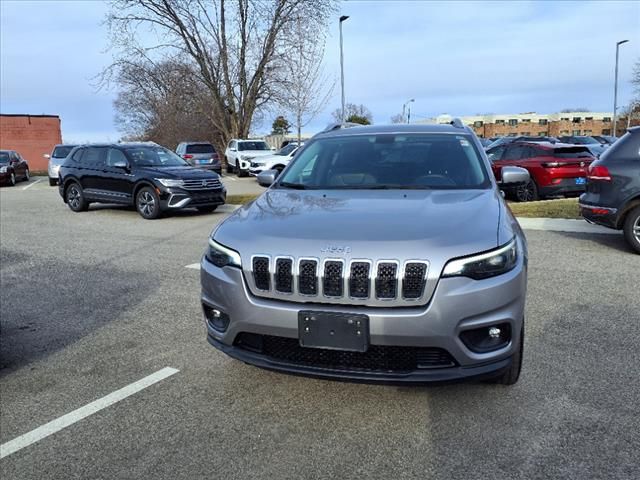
240,199
561,208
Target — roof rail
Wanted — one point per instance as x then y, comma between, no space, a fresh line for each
338,126
456,122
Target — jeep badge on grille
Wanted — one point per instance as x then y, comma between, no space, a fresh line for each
336,249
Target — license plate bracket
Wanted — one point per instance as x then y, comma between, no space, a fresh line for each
333,331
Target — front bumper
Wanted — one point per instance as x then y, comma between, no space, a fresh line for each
53,171
458,304
177,198
4,177
605,216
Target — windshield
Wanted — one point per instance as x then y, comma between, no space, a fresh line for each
584,140
62,151
200,148
388,161
287,149
258,145
154,157
571,152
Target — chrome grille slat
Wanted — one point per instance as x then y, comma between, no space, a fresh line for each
359,279
387,280
261,274
333,278
283,276
414,279
308,277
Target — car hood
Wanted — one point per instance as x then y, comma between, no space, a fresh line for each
264,159
256,153
184,173
434,225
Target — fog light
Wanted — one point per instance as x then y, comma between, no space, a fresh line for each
216,318
487,338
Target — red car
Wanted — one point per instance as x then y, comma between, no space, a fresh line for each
555,168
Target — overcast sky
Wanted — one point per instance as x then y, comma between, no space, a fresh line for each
454,57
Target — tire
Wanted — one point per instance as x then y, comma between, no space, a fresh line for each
12,179
148,203
26,175
510,376
229,167
75,198
528,192
243,173
208,209
52,182
631,229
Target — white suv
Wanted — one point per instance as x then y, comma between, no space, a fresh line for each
239,154
277,161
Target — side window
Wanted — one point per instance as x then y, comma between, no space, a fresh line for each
495,153
114,156
514,152
77,155
232,144
94,157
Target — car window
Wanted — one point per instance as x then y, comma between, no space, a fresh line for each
4,157
77,156
495,153
257,145
62,151
94,156
571,152
514,152
200,148
287,149
149,156
389,161
116,155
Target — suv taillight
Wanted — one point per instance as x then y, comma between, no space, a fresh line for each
599,173
187,156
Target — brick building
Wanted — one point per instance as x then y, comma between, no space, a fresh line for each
30,135
554,124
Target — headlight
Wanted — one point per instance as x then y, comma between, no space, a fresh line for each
3,169
484,265
170,182
222,256
247,157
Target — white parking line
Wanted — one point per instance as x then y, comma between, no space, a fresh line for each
195,266
31,184
58,424
230,178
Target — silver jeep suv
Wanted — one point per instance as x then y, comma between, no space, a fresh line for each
381,253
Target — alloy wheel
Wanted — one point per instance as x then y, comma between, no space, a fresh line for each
146,203
636,229
73,197
526,193
12,179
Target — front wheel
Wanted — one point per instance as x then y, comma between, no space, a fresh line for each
208,209
26,175
631,229
52,182
12,179
148,203
528,192
229,167
75,198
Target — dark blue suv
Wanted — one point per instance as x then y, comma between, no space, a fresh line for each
612,198
148,176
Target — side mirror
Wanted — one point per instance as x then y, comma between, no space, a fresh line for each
267,177
121,164
47,156
515,175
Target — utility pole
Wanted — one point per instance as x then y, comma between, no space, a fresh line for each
342,19
615,89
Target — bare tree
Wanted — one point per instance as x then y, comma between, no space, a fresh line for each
397,118
307,88
237,47
353,110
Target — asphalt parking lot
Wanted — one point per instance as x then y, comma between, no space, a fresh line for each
94,302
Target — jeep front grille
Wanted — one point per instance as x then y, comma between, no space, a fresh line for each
337,281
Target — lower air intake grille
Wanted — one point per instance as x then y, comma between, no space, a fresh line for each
386,281
284,277
332,284
377,358
414,280
261,273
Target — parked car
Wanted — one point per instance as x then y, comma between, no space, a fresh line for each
150,177
382,253
277,161
594,146
12,167
612,198
605,139
240,153
485,142
521,138
57,158
200,155
555,169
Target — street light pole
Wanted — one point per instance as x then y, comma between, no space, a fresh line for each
342,19
404,108
615,88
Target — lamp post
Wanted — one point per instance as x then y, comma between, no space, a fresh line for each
404,107
342,19
615,88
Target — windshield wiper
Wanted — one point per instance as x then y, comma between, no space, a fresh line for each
296,186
